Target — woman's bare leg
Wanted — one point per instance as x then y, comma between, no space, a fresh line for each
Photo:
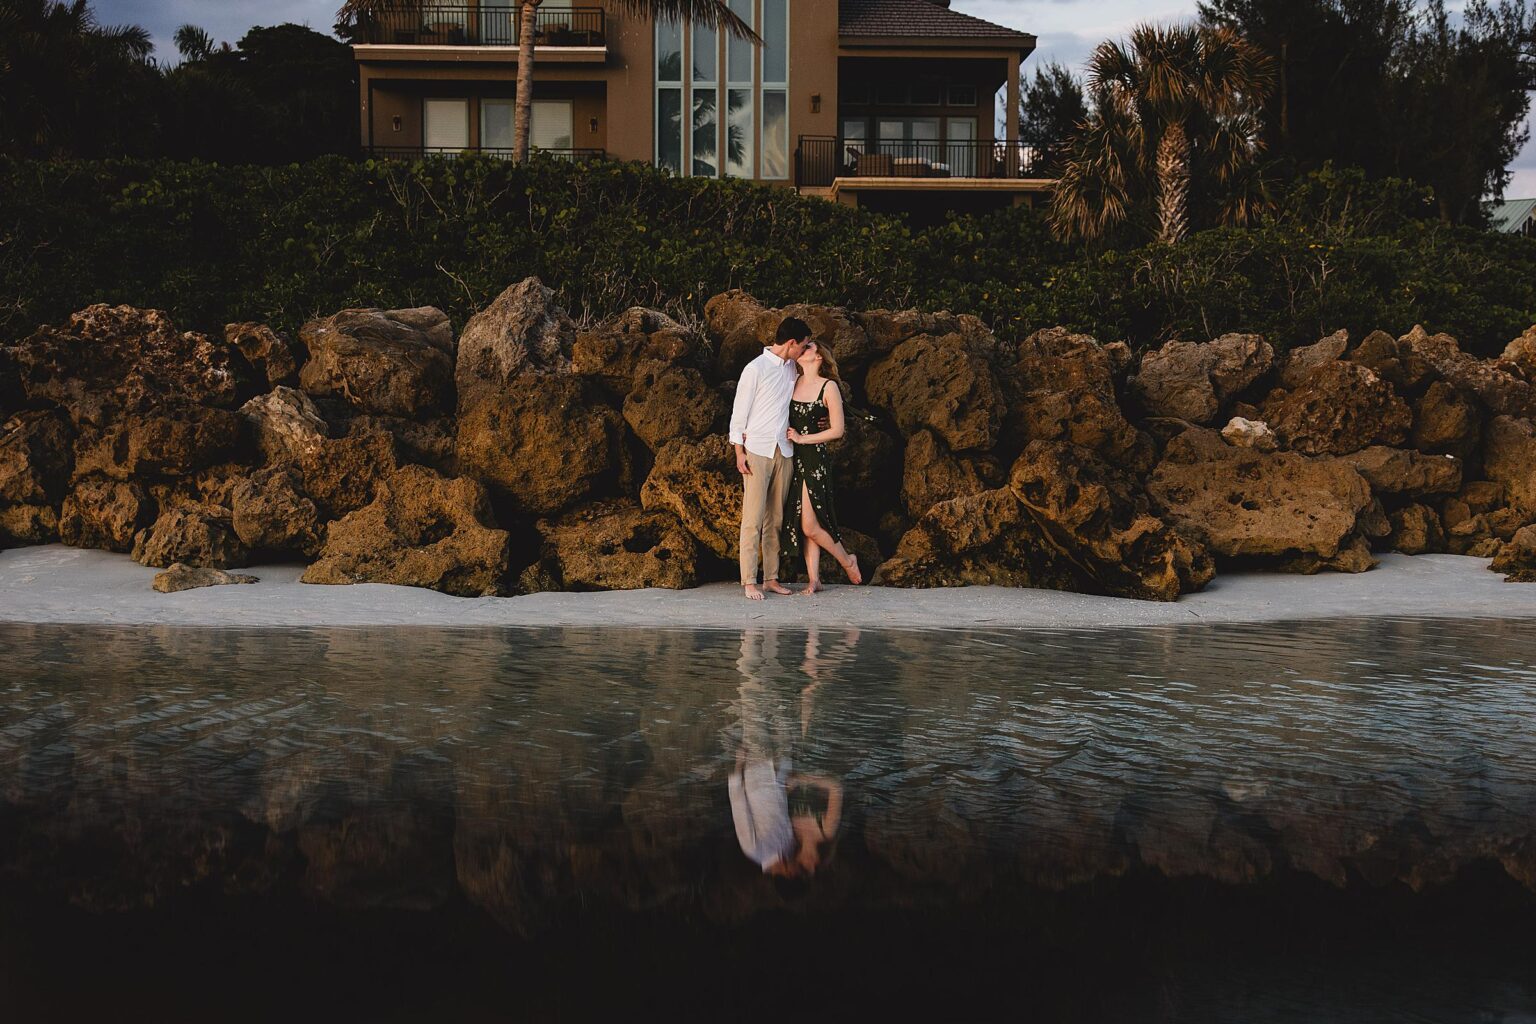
812,549
816,534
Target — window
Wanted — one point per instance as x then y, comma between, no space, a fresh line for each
669,95
960,147
496,123
740,119
775,143
915,138
962,96
855,95
445,125
891,93
927,92
705,137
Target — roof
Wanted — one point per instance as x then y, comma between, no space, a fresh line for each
925,19
1511,215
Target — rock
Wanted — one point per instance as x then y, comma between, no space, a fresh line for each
181,577
619,546
837,330
36,458
1518,557
975,540
432,443
339,475
1501,391
613,352
1392,361
1445,422
886,329
1299,363
527,426
1509,458
420,530
866,465
1401,472
1245,433
1482,495
285,423
669,402
272,514
199,535
271,354
540,439
740,326
171,441
1061,387
942,384
28,524
1101,523
697,482
1521,353
105,514
107,359
1192,381
862,547
1339,408
1260,507
522,329
433,325
379,362
932,473
1416,530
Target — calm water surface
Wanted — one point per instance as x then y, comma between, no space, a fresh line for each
1311,822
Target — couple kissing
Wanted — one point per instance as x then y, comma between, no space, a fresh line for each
789,404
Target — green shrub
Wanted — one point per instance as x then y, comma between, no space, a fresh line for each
212,244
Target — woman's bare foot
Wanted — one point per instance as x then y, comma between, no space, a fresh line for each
775,587
851,567
810,588
753,594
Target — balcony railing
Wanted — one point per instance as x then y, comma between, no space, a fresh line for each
821,159
429,24
498,152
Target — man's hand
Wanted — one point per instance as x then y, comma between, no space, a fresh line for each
825,423
742,465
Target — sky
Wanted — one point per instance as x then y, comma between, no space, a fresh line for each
1067,30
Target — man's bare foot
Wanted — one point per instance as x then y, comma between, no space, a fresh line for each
852,569
810,588
775,587
753,594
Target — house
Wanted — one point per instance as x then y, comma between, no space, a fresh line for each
887,104
1514,217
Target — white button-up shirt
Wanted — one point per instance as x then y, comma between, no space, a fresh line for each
760,415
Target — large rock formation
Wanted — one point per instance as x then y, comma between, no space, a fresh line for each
529,455
420,530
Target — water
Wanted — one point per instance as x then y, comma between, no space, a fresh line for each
1311,822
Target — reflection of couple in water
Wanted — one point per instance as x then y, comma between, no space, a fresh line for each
785,818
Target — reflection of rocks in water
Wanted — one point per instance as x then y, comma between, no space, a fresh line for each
537,774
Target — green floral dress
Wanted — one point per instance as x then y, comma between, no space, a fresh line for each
812,466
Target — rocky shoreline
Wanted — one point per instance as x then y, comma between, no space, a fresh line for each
526,455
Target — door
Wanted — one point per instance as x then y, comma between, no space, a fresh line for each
445,125
552,127
912,141
960,147
496,120
498,22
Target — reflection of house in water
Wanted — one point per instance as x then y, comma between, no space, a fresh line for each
890,104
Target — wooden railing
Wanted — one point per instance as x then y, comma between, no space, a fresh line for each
430,24
821,159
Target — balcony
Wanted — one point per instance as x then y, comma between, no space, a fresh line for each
820,161
429,24
499,153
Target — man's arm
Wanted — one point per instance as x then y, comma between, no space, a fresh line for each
741,408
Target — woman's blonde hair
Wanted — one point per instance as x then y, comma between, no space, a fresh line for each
828,361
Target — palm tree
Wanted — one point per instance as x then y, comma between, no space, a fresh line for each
1176,118
713,13
193,43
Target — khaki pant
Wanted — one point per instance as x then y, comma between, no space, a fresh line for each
762,513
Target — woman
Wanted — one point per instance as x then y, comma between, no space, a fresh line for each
810,520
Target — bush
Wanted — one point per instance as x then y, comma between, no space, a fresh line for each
212,244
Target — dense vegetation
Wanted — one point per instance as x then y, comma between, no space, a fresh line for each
213,244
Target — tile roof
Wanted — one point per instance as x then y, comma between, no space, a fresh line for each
920,18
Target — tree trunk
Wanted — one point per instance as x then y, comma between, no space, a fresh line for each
522,115
1172,184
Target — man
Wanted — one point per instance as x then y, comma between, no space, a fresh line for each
764,456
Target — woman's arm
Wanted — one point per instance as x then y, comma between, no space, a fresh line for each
836,424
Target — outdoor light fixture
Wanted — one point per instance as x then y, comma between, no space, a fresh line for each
592,126
395,121
815,102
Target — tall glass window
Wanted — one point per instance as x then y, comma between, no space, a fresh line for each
775,33
706,101
740,122
669,95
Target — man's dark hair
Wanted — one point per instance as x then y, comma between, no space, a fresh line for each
792,329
